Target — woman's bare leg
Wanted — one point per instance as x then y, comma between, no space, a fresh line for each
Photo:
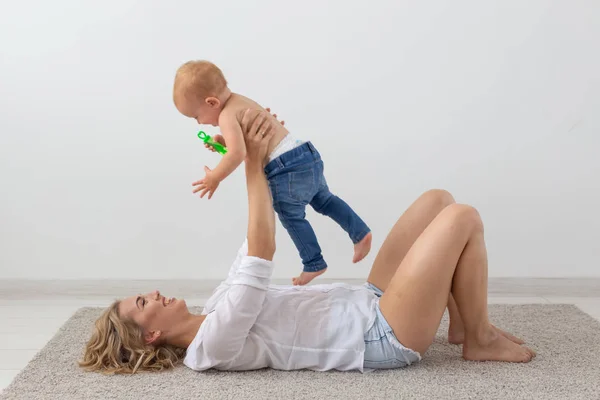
401,238
404,233
399,241
456,330
449,257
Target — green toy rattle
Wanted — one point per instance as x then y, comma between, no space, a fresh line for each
207,139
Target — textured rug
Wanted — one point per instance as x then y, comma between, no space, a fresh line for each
567,367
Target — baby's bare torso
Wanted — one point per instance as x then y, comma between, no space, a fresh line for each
239,104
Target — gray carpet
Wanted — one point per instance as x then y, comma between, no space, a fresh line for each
567,367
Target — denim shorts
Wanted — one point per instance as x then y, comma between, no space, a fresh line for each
382,348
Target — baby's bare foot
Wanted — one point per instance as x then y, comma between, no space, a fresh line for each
362,248
493,346
306,277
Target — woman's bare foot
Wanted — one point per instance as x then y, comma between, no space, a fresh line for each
509,336
362,248
306,277
492,346
456,334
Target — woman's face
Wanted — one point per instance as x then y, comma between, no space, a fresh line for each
154,313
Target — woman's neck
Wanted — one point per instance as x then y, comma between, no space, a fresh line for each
186,331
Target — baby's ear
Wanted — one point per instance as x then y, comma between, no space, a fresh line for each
213,102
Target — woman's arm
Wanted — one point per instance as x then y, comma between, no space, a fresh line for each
226,330
261,220
252,122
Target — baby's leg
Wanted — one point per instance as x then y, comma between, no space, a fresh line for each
328,204
292,215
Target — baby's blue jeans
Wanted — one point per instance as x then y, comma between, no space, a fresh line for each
296,179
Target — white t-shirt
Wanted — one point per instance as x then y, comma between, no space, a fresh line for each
251,324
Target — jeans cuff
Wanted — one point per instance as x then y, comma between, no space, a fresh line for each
361,236
315,267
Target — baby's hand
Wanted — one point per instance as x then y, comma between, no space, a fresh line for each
207,185
217,138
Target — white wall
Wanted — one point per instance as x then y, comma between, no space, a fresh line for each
496,101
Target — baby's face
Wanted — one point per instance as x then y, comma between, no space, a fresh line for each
205,113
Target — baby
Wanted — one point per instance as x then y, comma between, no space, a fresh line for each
293,166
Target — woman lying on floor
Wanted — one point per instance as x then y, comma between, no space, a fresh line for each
434,256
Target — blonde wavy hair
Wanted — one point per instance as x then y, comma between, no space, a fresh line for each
117,346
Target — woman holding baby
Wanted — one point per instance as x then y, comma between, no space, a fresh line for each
433,257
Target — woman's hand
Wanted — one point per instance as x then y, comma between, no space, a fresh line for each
274,116
256,135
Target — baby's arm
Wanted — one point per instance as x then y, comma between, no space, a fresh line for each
236,147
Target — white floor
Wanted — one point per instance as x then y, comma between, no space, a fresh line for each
30,316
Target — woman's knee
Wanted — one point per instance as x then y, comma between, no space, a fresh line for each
465,215
440,197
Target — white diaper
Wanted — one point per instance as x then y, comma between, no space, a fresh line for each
289,142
